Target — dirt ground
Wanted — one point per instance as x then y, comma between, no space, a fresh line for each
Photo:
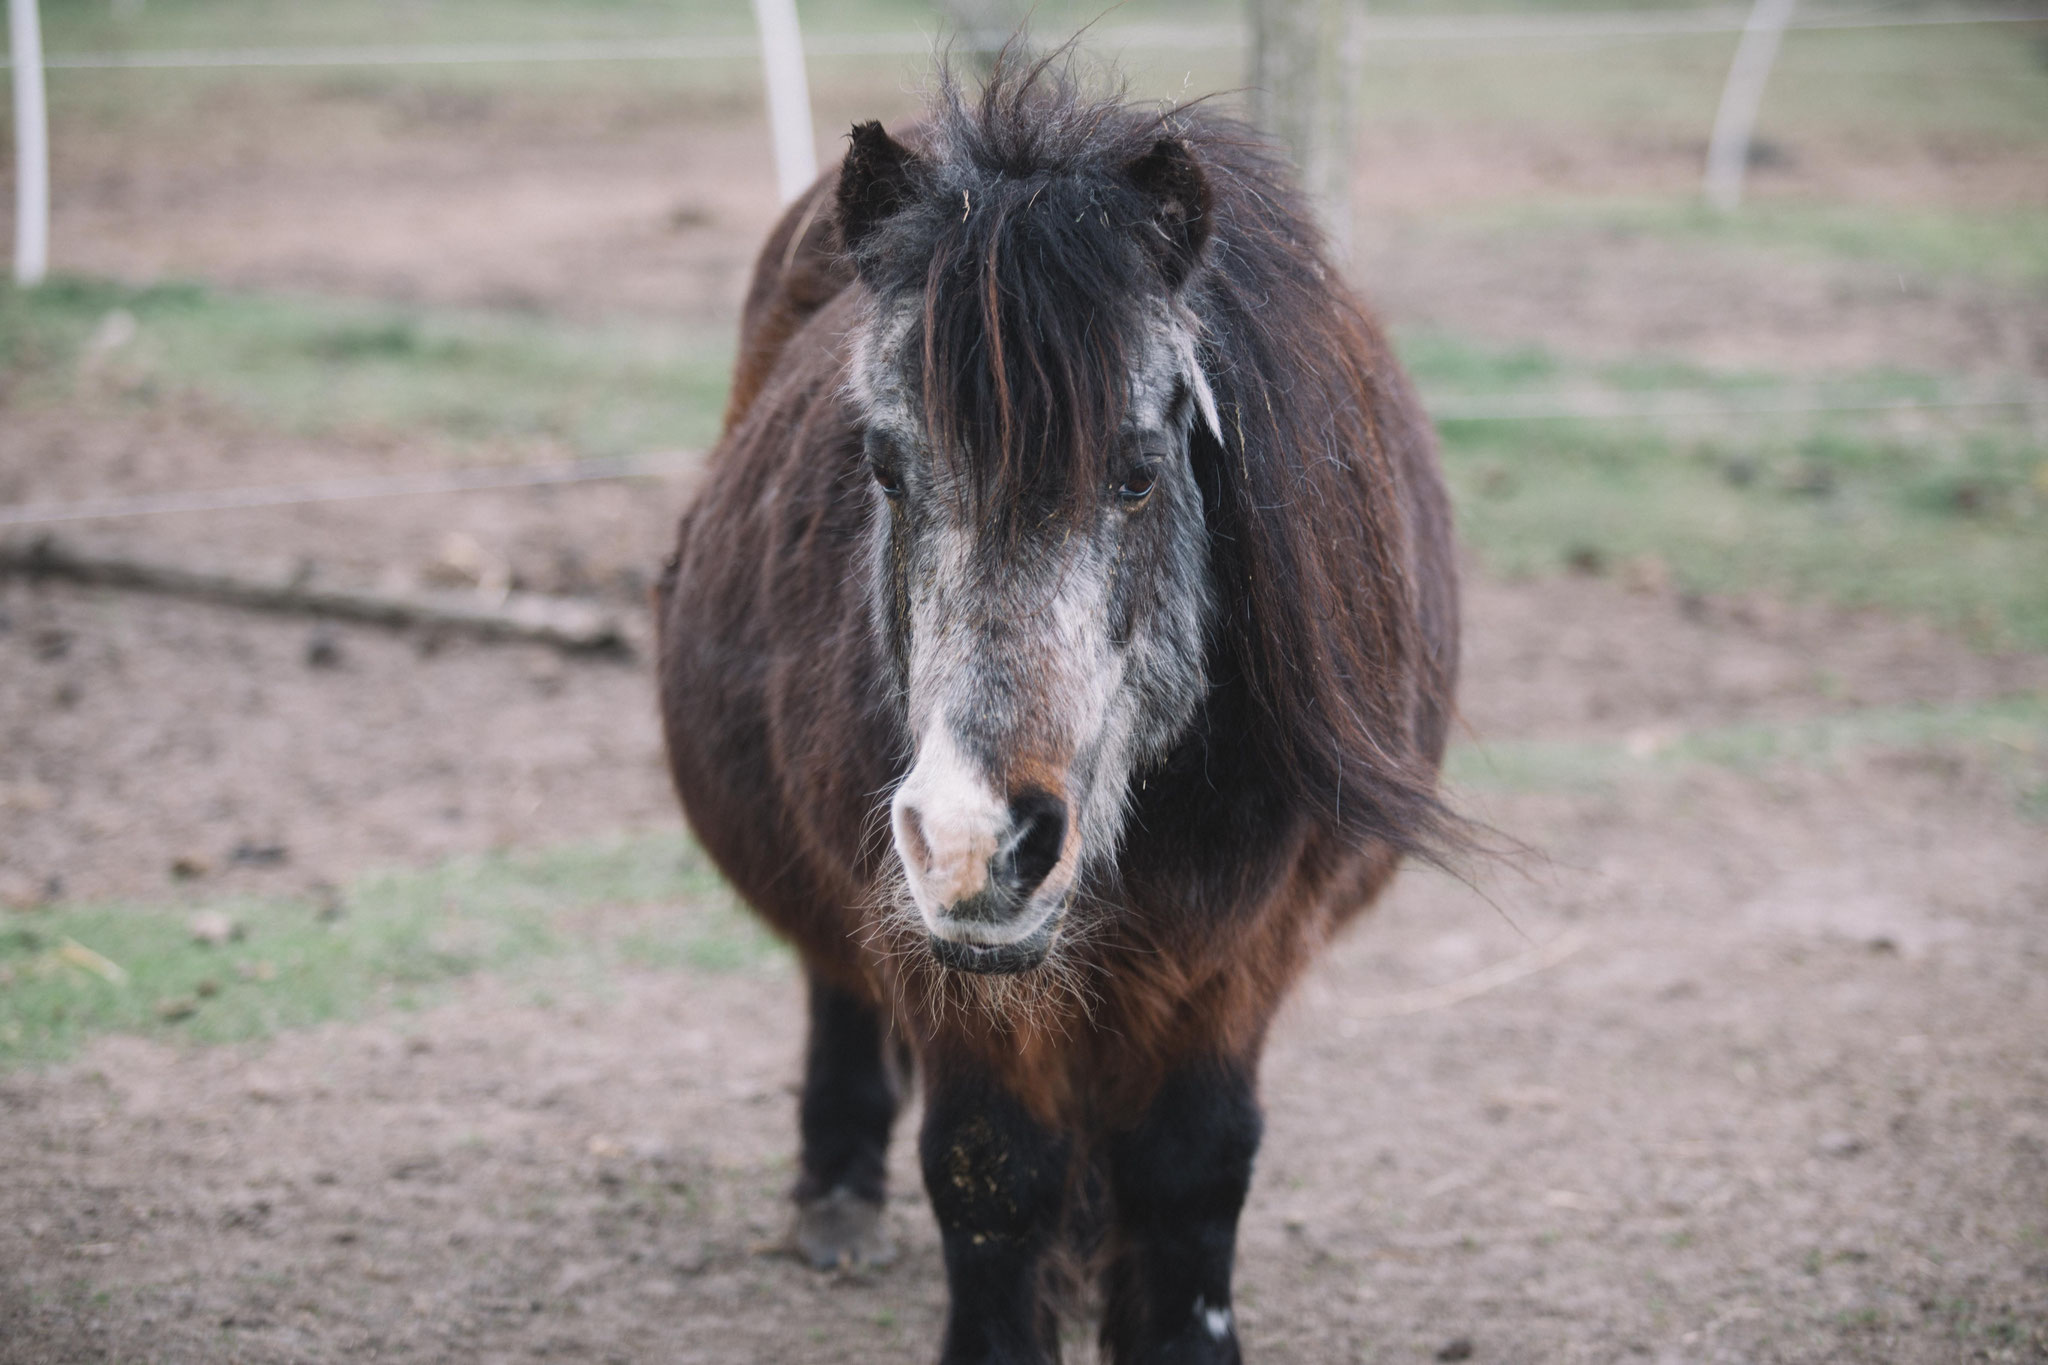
1766,1084
1781,1096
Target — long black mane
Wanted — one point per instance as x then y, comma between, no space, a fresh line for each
1042,228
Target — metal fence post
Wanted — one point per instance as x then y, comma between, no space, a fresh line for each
789,96
31,144
1735,120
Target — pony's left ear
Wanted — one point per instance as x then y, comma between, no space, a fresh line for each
1172,180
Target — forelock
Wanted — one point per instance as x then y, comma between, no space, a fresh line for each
1035,304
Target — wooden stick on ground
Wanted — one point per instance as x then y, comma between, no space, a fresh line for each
565,622
1537,959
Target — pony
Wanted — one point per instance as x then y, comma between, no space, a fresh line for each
1058,649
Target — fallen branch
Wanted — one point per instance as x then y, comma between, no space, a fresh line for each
565,622
1479,983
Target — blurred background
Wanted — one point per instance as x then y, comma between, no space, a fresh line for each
360,992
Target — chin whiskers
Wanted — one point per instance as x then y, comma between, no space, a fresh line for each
1059,995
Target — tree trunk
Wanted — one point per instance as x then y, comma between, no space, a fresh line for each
981,27
1304,81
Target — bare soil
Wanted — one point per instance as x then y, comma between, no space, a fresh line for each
1785,1101
1769,1085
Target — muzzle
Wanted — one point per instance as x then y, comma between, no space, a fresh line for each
981,868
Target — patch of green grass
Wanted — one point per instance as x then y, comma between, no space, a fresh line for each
94,24
2034,800
1940,512
1443,362
1965,79
1957,531
2015,729
1973,80
1885,84
472,378
72,972
2006,246
1994,1326
1446,363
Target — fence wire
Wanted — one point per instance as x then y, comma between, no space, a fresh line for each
1444,408
1492,29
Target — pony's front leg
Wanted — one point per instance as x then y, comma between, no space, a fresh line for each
997,1181
1178,1180
849,1105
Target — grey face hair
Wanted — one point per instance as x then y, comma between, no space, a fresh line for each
1053,662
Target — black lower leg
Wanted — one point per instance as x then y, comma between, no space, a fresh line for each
1178,1181
997,1180
849,1103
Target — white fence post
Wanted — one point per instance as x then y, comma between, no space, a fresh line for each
1735,120
31,144
789,96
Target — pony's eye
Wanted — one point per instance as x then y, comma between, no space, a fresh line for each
882,456
1137,485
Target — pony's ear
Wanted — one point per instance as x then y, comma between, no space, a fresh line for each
1172,180
875,181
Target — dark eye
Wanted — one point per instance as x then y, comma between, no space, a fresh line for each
882,455
1137,485
885,479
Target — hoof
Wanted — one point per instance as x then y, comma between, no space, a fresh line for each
841,1231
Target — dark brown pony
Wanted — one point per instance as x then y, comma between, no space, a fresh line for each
1059,650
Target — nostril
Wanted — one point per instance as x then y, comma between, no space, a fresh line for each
910,838
1038,830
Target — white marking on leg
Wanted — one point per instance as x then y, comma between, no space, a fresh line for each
1217,1320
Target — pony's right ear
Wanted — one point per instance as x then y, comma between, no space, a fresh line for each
875,182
